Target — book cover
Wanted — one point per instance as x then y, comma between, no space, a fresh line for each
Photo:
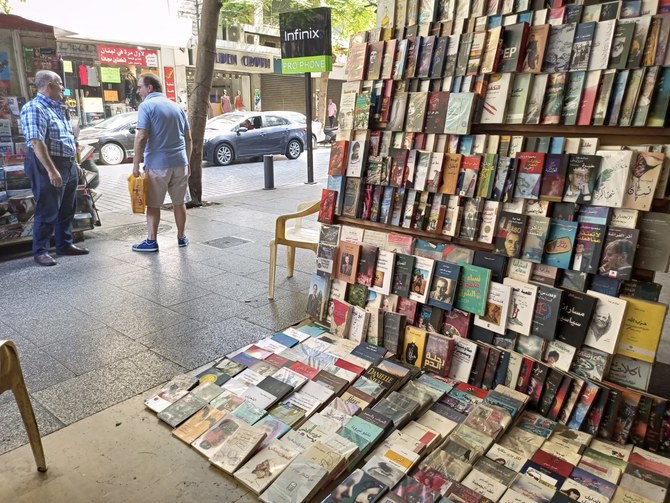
463,360
529,173
610,186
514,39
553,179
472,291
575,316
495,101
619,253
534,242
497,308
558,52
572,100
339,157
535,48
641,329
459,113
264,467
642,180
509,236
559,244
554,97
402,275
298,482
621,44
414,345
522,306
589,242
443,287
547,309
581,48
536,99
439,354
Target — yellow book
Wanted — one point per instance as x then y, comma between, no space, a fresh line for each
414,345
641,330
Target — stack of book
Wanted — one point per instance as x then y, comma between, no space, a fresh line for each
316,417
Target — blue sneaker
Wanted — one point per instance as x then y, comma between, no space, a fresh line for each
182,241
147,245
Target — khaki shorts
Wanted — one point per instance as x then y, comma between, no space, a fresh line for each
173,181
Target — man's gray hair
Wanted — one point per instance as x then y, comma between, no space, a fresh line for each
43,78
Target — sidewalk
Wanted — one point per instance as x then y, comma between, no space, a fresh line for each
98,330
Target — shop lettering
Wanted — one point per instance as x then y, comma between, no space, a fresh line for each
249,61
299,34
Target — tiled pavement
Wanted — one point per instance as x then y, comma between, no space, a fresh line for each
96,330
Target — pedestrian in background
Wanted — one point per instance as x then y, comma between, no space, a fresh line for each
332,112
50,165
163,135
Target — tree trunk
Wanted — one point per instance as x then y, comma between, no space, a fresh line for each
199,102
322,90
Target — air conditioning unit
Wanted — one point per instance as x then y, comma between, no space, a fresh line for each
234,33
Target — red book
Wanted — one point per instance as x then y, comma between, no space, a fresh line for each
278,360
327,208
304,370
552,463
525,375
257,352
408,308
339,154
349,366
472,390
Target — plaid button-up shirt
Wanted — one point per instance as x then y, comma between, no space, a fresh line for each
45,119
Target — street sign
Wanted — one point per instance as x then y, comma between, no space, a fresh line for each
306,41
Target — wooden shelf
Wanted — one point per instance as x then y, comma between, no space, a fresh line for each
376,226
608,135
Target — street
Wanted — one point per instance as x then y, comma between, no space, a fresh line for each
217,180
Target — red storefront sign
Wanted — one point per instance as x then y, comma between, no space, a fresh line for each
170,91
118,55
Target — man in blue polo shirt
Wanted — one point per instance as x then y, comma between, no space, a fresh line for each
51,167
163,135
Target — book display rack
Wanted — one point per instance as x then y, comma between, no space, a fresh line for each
486,313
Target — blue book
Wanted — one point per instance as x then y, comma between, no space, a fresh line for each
556,144
285,340
443,286
245,359
560,243
605,285
336,183
465,144
594,215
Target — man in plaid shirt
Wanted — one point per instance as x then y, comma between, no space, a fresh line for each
50,165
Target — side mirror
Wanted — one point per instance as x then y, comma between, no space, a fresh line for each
241,129
132,130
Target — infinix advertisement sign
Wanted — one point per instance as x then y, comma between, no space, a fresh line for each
305,41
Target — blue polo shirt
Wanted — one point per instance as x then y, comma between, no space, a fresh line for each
165,123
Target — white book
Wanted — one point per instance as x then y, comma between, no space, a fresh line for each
484,485
259,397
519,269
624,217
518,98
264,467
605,326
559,354
611,180
317,391
513,369
464,357
496,99
358,327
351,234
497,308
602,43
489,220
523,306
383,272
422,275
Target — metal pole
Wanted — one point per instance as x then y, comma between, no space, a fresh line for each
268,171
308,109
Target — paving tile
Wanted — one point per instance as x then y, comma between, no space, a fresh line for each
235,287
166,291
176,266
39,369
13,432
138,318
172,332
211,308
279,313
50,320
197,252
299,282
103,387
91,350
202,346
237,264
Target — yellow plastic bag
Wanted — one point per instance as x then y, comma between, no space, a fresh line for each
137,187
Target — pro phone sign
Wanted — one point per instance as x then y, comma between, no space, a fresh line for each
305,41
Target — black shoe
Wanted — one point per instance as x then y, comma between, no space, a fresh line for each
73,250
45,259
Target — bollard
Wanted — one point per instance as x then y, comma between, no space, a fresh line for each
269,172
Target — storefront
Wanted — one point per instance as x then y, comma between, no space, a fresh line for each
101,79
236,80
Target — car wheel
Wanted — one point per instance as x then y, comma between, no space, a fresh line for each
293,149
224,155
112,153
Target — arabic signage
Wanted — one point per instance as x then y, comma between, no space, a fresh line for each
170,92
118,55
305,41
110,74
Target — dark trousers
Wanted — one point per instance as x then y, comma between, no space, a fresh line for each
54,206
330,120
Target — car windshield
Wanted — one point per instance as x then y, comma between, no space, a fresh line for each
296,117
225,121
116,121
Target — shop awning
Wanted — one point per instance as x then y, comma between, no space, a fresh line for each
121,21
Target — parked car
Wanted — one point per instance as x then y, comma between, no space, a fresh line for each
239,135
318,135
113,138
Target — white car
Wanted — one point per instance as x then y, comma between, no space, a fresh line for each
317,128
